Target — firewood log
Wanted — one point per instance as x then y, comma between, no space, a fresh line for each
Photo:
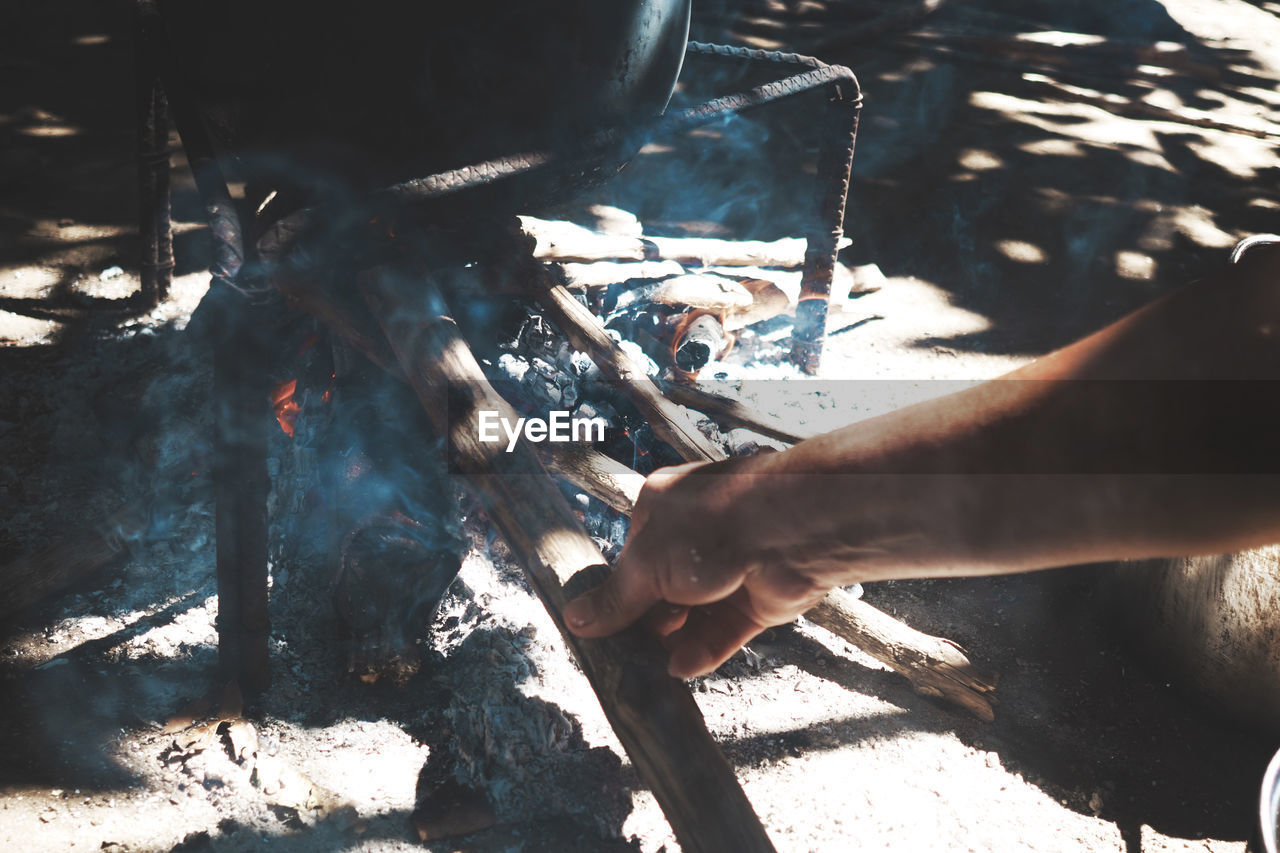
569,243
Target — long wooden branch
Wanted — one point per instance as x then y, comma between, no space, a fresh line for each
653,714
566,242
933,665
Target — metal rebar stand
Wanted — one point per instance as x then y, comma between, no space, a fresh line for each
242,411
241,484
835,161
839,132
835,164
154,223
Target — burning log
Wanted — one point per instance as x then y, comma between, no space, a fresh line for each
732,301
585,333
743,295
682,340
390,583
667,420
697,341
653,714
392,531
708,292
570,243
935,666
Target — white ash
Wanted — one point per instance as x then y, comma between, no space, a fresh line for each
511,736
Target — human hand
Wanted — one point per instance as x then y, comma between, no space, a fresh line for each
701,566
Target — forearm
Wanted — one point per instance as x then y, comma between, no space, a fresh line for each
1158,435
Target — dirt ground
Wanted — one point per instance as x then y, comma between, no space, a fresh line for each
1008,220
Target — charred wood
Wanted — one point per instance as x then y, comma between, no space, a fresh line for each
583,329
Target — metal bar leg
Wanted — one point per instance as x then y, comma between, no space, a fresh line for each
154,224
241,403
241,483
835,161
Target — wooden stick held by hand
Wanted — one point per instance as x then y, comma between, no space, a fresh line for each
935,666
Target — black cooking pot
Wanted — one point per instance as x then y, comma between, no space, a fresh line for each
381,91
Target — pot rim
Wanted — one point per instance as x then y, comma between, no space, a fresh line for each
1269,804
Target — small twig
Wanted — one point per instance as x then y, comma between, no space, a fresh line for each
856,324
730,413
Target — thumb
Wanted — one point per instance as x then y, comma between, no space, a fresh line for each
623,598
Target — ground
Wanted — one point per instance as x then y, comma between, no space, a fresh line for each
1007,218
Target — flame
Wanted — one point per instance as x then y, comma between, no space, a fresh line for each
285,407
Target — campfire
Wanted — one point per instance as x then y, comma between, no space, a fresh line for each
429,335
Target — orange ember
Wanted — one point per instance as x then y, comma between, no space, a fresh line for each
285,407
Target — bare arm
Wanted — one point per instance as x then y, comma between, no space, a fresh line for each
1158,435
